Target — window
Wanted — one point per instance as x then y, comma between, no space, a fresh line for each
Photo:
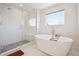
32,22
56,18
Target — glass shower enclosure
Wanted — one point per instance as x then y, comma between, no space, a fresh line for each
17,25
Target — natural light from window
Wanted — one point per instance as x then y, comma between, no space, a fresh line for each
56,18
32,22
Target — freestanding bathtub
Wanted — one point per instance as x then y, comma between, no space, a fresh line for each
56,48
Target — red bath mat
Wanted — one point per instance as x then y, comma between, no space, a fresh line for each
17,53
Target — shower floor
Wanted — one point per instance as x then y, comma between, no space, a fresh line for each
14,45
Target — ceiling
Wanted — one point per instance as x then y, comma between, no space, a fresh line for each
29,6
38,5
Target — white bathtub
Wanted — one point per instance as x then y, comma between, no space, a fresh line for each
57,48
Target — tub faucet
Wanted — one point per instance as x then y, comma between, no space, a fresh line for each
53,32
54,35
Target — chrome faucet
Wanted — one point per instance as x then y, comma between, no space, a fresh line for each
53,32
54,36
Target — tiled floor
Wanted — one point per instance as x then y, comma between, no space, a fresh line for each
29,49
14,45
32,50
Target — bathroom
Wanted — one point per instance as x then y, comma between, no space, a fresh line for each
23,25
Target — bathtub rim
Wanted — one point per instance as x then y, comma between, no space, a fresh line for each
48,36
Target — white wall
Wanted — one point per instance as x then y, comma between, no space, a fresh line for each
76,46
11,25
78,19
69,29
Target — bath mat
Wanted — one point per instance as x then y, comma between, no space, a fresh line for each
17,53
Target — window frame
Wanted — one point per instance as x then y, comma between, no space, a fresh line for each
55,12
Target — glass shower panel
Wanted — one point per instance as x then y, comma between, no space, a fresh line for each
30,24
15,28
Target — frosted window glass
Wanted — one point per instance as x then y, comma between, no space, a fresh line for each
56,18
32,22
